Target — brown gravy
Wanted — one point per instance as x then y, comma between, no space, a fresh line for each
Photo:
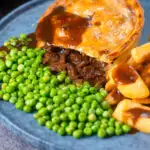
124,74
33,43
116,95
138,112
3,48
63,27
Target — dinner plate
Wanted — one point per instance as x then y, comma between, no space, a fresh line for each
24,20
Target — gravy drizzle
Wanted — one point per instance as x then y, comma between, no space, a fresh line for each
124,74
62,27
137,113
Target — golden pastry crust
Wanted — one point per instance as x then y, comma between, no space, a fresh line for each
101,29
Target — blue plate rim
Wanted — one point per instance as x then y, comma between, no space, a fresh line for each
6,121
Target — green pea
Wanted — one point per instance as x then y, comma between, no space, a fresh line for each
20,61
50,108
8,63
77,133
43,111
67,80
126,128
45,79
61,77
86,105
118,124
103,92
19,105
111,123
99,97
1,94
63,116
72,116
44,93
60,92
72,96
41,121
6,96
73,88
4,85
110,131
46,117
76,112
79,100
64,124
2,74
92,117
99,111
88,98
6,78
105,105
20,68
10,89
43,100
102,133
53,92
82,117
2,66
14,94
94,104
118,131
75,107
85,91
69,130
81,125
24,48
69,102
30,102
106,114
29,95
13,100
14,67
20,79
73,124
88,124
55,119
94,129
36,116
87,131
86,85
92,90
55,127
53,81
57,99
61,131
27,109
31,54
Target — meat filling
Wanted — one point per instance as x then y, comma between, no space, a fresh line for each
79,67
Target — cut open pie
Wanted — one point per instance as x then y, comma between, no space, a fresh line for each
103,29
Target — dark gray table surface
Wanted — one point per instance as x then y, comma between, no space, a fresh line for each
8,141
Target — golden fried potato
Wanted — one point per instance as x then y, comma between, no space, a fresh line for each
114,97
141,54
145,75
129,82
142,101
134,114
136,90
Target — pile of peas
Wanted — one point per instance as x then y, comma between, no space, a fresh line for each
59,104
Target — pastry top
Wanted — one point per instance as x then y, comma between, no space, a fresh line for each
103,29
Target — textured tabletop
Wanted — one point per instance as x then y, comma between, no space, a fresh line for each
9,141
